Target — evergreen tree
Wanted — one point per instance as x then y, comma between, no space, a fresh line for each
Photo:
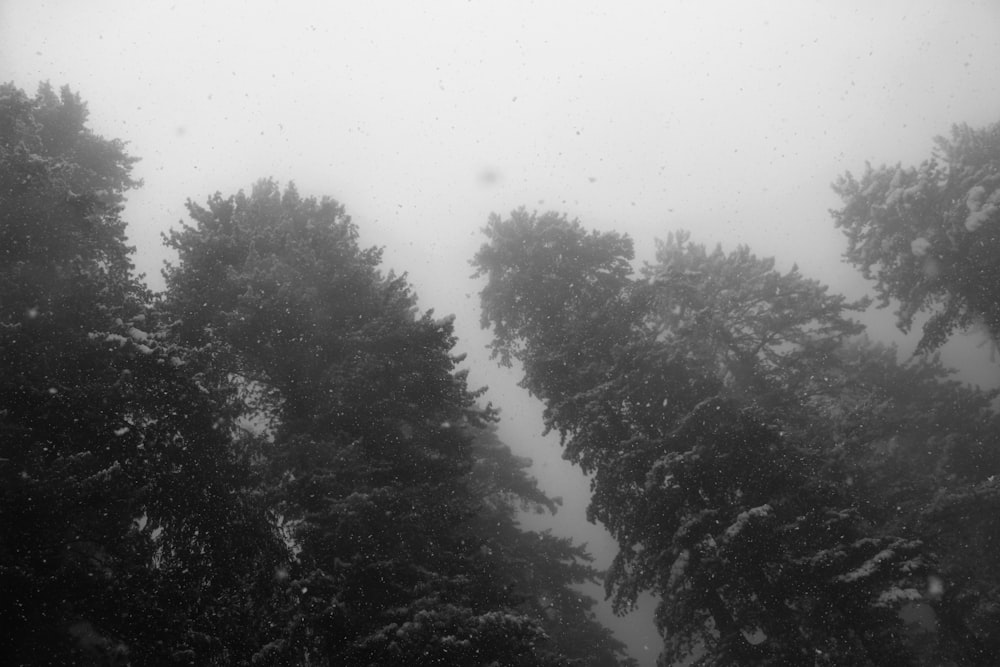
677,391
930,235
371,469
543,569
920,453
125,527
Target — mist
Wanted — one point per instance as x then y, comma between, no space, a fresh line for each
728,119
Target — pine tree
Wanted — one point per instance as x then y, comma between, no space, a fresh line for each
124,526
542,569
676,391
930,235
920,452
371,462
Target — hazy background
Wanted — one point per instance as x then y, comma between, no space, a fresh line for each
730,119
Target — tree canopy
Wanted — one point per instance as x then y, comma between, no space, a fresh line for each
277,461
398,502
717,403
127,537
929,236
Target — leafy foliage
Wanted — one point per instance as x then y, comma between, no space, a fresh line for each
930,235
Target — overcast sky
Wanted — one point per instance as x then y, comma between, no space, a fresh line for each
730,119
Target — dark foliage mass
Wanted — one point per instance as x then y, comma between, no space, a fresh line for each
126,535
396,498
790,492
277,462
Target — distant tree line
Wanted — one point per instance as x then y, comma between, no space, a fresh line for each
275,462
791,492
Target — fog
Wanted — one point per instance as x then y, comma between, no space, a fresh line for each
729,119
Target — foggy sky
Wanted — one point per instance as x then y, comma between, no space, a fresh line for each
730,119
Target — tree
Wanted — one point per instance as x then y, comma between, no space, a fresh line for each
930,235
677,392
123,514
404,553
921,455
542,568
763,334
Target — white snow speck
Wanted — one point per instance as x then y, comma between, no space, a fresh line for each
974,199
744,517
679,567
868,567
116,338
978,217
896,594
919,246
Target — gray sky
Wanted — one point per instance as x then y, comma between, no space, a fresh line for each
730,119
